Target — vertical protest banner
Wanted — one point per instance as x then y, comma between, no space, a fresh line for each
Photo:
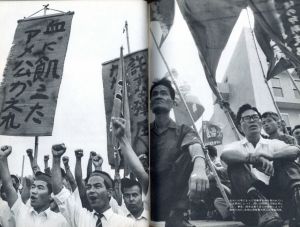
136,73
212,134
33,74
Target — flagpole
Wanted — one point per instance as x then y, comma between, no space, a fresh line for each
262,69
36,138
127,37
219,184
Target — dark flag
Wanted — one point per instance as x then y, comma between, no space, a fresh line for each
163,11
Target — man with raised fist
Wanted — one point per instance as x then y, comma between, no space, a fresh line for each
39,214
98,190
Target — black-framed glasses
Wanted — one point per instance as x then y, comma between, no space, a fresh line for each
248,118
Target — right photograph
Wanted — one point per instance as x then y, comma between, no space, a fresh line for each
224,99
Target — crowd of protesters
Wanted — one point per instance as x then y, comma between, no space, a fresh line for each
57,197
263,166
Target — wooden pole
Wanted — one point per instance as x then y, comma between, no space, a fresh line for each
22,172
127,37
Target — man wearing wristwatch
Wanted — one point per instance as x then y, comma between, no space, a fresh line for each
262,169
177,162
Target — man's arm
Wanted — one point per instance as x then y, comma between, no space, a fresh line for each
57,183
69,174
258,161
130,156
78,172
89,168
198,180
231,157
9,189
34,166
288,152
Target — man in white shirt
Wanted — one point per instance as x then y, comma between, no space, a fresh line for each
98,189
262,169
39,213
133,199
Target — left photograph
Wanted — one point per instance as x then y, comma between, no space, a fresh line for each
74,113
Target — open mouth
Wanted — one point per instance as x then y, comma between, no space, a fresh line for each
33,198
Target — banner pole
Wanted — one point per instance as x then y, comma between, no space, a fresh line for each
209,162
261,67
127,37
36,149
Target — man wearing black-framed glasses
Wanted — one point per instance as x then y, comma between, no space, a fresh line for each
262,169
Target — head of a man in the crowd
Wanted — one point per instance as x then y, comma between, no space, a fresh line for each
132,195
99,189
40,192
15,181
162,96
296,133
249,120
270,122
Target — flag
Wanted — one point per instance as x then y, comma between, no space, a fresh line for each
280,19
212,134
136,72
120,108
211,23
277,60
33,74
163,11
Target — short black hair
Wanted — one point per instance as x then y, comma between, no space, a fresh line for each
271,114
128,183
296,127
108,181
46,178
212,151
244,108
165,82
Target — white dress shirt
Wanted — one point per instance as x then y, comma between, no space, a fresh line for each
142,221
77,216
264,146
27,217
6,217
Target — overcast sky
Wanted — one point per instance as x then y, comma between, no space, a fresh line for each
96,37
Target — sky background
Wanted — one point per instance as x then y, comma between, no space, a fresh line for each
96,37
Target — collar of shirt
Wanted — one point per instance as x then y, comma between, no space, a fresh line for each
106,214
261,141
144,215
45,213
171,124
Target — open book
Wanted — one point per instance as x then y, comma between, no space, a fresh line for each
85,74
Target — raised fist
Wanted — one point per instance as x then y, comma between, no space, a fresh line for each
119,126
92,154
79,153
29,152
5,151
58,150
65,160
46,158
97,160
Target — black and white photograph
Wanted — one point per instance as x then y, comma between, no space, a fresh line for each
164,113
